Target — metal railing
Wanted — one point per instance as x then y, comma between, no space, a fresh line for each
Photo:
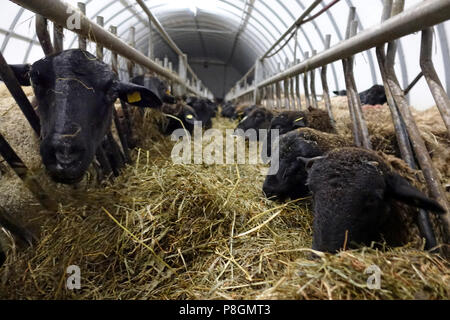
109,155
57,12
283,88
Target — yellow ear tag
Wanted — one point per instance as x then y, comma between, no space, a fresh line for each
134,97
168,92
297,120
189,116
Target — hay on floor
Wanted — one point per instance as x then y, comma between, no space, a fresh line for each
165,231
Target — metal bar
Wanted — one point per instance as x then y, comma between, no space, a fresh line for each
305,85
82,43
434,83
58,37
292,96
25,175
131,43
126,126
423,15
348,84
413,83
56,11
43,35
122,136
115,157
14,35
13,85
102,159
162,32
418,144
287,103
297,89
159,27
312,75
99,47
325,89
8,34
293,26
278,95
361,121
7,221
114,154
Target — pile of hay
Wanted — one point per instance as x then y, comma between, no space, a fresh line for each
165,231
383,138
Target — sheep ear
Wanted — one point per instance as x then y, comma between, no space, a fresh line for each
309,161
22,73
137,95
400,189
300,122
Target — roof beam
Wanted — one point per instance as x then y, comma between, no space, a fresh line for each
245,18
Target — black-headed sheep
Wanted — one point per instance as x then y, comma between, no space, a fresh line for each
359,199
258,119
372,96
76,93
185,117
290,180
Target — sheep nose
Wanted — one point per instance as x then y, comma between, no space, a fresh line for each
268,191
66,154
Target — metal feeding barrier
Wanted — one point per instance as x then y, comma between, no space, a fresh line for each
111,155
395,23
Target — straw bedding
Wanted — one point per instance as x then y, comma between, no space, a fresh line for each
165,231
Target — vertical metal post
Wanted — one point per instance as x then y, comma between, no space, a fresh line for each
325,89
25,175
82,43
151,53
43,35
292,96
132,43
399,125
259,70
58,38
313,84
434,83
13,85
278,95
182,72
99,48
353,94
274,96
351,102
116,157
297,89
305,85
418,144
287,102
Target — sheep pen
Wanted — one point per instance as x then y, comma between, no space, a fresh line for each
167,231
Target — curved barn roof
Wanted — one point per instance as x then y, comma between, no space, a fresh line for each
224,38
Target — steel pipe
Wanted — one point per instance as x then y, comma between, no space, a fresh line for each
423,15
43,35
57,11
325,89
434,83
418,144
